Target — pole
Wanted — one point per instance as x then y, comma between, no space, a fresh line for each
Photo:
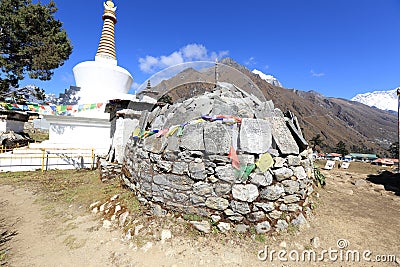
398,129
43,160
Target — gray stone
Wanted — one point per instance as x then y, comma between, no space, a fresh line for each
290,199
272,192
197,200
158,122
217,138
181,198
157,210
256,216
266,206
202,189
173,143
281,225
275,214
255,136
202,104
219,159
299,172
261,179
197,171
192,138
164,165
283,174
154,144
236,218
122,218
154,157
174,181
263,227
274,152
315,243
248,192
241,228
240,207
246,159
360,182
300,221
224,227
217,203
297,135
289,207
293,160
279,162
180,167
215,218
282,135
222,108
202,226
222,189
225,173
291,186
229,212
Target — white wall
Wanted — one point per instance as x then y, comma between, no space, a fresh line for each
123,130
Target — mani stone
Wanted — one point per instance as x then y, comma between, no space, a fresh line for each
255,136
217,203
248,192
192,138
282,135
217,138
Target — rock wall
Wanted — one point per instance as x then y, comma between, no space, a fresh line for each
249,166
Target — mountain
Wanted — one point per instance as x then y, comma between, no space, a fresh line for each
360,127
385,100
268,78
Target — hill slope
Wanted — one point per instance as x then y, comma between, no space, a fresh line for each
359,126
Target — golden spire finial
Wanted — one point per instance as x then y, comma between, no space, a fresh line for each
106,49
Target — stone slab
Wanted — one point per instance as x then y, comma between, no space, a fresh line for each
282,135
193,138
217,138
255,136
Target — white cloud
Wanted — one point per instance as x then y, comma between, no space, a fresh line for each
190,52
315,74
250,62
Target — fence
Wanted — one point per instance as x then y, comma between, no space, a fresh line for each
29,159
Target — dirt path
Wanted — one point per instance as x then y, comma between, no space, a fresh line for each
365,215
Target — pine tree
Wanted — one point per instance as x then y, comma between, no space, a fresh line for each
32,42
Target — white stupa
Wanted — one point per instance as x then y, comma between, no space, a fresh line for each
102,80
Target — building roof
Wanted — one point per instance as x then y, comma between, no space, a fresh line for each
363,156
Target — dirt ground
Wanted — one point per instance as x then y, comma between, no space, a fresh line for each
356,211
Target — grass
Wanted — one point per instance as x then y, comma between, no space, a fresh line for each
79,187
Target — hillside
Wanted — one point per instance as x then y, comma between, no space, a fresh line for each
356,124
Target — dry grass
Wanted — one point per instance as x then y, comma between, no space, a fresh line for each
356,167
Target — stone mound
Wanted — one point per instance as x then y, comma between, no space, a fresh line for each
224,155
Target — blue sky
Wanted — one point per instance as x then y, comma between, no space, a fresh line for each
337,47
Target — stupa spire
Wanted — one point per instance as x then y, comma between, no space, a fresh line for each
106,49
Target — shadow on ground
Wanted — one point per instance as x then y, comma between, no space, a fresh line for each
390,180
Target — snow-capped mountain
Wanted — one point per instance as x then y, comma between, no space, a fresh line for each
385,100
268,78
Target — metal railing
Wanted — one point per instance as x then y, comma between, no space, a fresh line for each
45,158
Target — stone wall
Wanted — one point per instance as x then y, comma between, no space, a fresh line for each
249,167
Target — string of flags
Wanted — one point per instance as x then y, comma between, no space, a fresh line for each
264,162
64,110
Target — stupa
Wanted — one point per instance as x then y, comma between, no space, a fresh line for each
102,79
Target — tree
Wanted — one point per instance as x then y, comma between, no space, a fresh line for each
32,42
316,141
341,148
394,150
